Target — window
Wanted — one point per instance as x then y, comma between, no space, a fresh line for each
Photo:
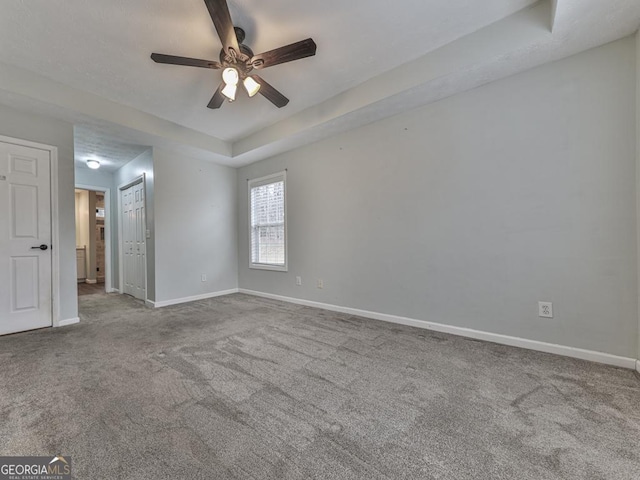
267,222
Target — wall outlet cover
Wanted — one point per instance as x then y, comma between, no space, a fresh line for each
298,281
545,309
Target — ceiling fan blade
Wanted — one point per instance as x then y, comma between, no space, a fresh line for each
189,62
217,99
221,17
288,53
270,93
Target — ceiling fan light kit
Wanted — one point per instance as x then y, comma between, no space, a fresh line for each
251,86
229,91
230,78
238,61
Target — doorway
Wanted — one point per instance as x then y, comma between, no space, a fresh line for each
93,245
27,221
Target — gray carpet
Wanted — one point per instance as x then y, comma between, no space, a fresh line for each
240,387
90,288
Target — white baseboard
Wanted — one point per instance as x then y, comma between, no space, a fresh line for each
68,321
175,301
638,366
90,281
599,357
112,290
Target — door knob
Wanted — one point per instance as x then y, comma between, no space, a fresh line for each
41,247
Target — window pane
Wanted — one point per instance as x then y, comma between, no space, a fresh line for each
267,224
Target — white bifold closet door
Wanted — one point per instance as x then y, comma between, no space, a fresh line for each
133,240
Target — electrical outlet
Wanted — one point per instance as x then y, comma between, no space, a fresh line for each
320,283
298,281
545,309
203,277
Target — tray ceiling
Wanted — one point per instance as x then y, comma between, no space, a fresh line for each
371,54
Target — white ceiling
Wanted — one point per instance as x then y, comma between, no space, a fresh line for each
88,62
93,142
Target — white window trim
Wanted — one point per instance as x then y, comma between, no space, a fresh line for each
257,182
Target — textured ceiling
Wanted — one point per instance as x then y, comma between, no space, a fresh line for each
95,142
88,62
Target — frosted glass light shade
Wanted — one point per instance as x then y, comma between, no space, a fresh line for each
229,91
230,76
251,86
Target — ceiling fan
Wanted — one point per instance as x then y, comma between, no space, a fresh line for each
237,61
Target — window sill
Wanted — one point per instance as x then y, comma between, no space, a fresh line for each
262,266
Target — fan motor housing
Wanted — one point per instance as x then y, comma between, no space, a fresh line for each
241,61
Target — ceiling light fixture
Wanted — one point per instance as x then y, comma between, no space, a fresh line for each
229,91
237,60
93,163
251,86
230,77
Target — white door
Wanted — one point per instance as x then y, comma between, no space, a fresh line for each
25,238
133,240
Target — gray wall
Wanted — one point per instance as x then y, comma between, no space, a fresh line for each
191,216
57,133
196,225
143,164
638,170
468,211
97,178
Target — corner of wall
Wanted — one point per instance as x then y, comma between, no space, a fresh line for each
554,11
195,199
638,176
